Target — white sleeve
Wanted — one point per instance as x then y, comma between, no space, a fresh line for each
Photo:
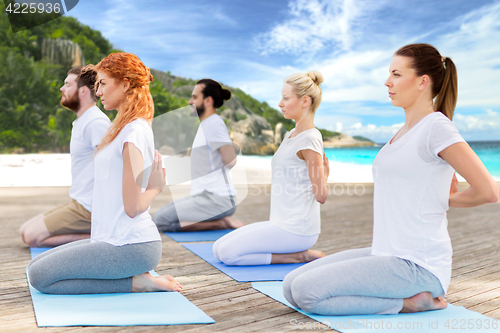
217,135
138,135
443,133
312,141
95,131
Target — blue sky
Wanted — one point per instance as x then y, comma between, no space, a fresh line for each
255,44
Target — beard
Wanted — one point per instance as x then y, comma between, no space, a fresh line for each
199,111
71,102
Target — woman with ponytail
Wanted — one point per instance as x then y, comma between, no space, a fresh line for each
299,185
408,266
125,243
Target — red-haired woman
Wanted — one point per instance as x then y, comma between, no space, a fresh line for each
125,244
408,266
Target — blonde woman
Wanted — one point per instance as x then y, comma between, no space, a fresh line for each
124,244
299,185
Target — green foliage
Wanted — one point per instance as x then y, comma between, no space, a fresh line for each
240,116
93,44
273,116
328,134
31,118
29,97
164,100
183,82
28,42
362,138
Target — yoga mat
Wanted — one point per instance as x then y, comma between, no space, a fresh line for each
37,250
198,236
118,309
242,273
451,319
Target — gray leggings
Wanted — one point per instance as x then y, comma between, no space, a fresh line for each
354,282
83,267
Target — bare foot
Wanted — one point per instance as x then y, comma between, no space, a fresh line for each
146,282
229,223
423,302
297,257
310,255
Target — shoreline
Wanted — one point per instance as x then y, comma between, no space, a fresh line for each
47,170
52,170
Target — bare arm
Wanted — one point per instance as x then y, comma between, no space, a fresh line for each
483,189
228,155
319,169
135,201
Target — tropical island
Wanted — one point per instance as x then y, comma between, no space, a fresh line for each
35,63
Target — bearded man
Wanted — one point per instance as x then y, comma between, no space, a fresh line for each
71,221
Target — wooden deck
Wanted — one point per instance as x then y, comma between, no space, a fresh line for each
347,223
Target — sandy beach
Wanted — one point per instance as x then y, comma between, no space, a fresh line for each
34,170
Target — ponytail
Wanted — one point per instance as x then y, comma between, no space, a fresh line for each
446,99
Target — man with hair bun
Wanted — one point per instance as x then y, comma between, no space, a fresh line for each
211,200
71,221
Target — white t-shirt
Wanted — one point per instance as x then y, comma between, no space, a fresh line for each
207,168
412,189
88,131
293,205
110,223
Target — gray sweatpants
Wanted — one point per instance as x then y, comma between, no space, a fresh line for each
354,282
201,207
83,267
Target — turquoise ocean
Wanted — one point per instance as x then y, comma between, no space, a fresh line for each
488,152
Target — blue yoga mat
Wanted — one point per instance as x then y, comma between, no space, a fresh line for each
37,250
198,236
127,309
451,319
242,273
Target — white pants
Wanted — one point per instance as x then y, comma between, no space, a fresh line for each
255,243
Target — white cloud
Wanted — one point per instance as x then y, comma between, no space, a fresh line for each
356,76
379,134
490,112
262,81
353,125
479,127
357,126
314,24
483,126
219,15
473,46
